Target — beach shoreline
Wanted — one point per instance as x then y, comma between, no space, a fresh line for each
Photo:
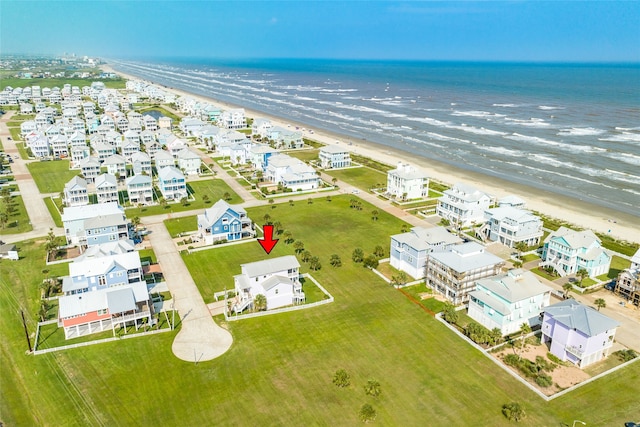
617,224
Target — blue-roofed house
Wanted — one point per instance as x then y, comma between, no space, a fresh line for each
224,222
578,333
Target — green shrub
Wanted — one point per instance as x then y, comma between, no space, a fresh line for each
341,378
554,358
367,413
513,411
626,355
544,380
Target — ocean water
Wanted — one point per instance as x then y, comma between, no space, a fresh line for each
569,129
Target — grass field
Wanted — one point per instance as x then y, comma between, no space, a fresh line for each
51,177
18,221
617,265
428,375
213,188
53,210
305,155
363,177
59,82
181,225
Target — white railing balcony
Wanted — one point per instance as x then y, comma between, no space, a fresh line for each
574,350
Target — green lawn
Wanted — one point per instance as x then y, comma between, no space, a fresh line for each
51,177
54,211
176,226
530,257
362,177
59,82
19,220
213,188
305,156
544,274
162,111
617,265
148,255
428,375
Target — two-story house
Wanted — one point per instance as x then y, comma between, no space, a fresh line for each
577,333
278,279
116,165
508,300
409,251
454,273
569,251
224,222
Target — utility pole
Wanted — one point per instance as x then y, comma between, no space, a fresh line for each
26,331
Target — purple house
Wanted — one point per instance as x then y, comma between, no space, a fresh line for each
578,333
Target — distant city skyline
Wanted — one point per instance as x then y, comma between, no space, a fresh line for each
413,30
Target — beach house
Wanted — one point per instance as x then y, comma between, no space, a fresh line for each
278,279
259,156
409,251
509,226
75,192
141,163
106,188
334,157
163,158
405,182
140,189
628,283
577,333
508,300
232,119
224,222
90,168
78,154
463,205
285,138
172,183
189,162
78,219
454,272
103,291
291,173
569,251
116,165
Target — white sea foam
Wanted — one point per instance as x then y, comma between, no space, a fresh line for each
588,131
623,137
480,114
533,139
478,130
627,129
532,122
547,107
624,177
629,158
508,105
502,150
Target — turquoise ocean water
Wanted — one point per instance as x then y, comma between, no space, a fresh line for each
573,129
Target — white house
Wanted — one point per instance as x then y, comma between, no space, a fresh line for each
407,183
164,158
74,219
577,333
106,188
276,278
508,300
189,162
75,192
90,168
141,163
463,205
509,226
334,157
409,251
569,251
628,282
116,165
292,173
232,119
140,189
172,183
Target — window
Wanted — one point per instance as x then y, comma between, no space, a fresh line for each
102,280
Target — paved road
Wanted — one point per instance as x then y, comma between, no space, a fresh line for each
37,210
200,338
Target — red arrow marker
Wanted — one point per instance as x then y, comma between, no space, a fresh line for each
268,243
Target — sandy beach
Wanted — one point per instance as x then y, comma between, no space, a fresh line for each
586,215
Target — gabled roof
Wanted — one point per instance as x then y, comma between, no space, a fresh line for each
168,173
466,257
106,179
333,149
114,159
420,238
87,302
215,212
138,179
74,213
508,212
465,192
583,318
274,281
163,155
270,266
139,156
76,183
121,300
575,239
512,286
187,155
97,266
106,249
104,221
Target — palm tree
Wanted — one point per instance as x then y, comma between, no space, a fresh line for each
374,214
271,202
400,279
520,247
314,263
357,255
288,237
335,260
298,246
334,180
567,287
266,218
4,219
51,245
379,251
524,330
226,196
582,273
600,303
306,256
290,202
372,388
260,302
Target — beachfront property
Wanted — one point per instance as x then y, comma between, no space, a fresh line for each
334,157
90,168
291,173
75,192
172,183
569,251
260,127
278,279
510,226
577,333
140,189
102,291
463,205
189,162
405,182
454,272
224,222
82,224
285,138
106,188
628,282
508,300
232,119
409,251
512,201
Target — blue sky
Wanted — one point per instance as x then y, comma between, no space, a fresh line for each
504,31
